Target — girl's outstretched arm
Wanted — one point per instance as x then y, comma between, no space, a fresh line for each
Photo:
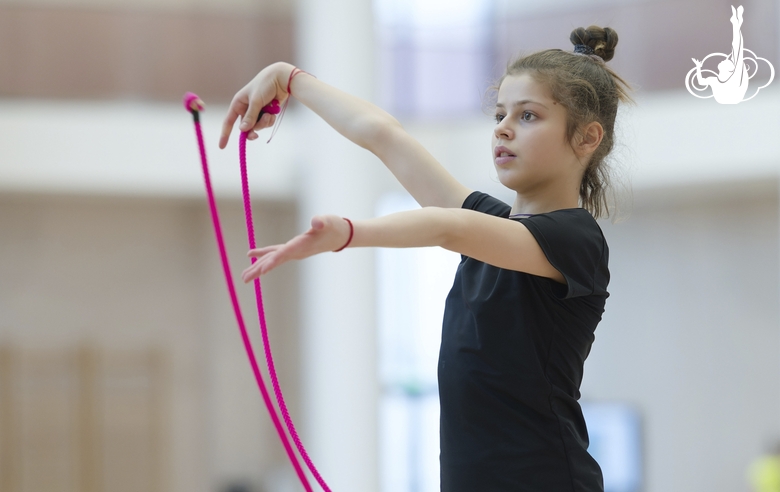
363,123
500,242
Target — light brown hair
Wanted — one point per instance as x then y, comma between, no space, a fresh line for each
590,91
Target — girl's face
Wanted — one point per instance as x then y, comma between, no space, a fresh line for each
529,148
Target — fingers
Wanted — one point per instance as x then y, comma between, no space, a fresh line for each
262,266
227,125
260,252
257,269
250,118
314,241
248,104
265,121
265,263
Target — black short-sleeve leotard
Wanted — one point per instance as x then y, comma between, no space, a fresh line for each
511,360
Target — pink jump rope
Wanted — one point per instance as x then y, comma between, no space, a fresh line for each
273,108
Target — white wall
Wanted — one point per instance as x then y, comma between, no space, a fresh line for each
691,332
669,138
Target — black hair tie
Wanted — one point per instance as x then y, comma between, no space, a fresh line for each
584,49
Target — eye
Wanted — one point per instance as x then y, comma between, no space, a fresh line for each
500,117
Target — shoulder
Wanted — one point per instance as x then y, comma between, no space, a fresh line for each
574,244
482,202
569,221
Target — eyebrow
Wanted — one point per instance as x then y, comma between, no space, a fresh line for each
524,101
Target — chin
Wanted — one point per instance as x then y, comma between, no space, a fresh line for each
511,184
508,178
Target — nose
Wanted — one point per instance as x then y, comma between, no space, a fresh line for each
502,130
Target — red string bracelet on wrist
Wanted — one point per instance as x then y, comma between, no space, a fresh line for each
351,233
295,71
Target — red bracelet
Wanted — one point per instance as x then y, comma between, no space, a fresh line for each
295,71
351,232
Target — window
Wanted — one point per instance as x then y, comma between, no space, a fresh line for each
615,443
435,56
413,284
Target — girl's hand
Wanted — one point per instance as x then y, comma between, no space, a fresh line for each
269,84
327,233
697,62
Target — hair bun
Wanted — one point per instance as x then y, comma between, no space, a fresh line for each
601,40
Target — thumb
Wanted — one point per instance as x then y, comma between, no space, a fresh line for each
317,223
252,113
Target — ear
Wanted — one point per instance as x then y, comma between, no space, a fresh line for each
590,139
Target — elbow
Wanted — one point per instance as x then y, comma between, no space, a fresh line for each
376,130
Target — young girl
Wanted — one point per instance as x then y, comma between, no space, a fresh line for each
532,282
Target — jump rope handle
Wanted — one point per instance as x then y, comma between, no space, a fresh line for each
272,108
193,104
189,99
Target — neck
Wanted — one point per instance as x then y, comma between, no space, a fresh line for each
539,205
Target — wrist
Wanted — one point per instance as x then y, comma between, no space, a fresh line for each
351,235
282,71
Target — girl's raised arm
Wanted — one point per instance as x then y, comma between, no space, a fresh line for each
360,121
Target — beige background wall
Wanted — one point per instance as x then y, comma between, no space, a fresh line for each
133,274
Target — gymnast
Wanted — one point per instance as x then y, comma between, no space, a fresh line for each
531,286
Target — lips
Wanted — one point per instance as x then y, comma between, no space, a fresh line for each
502,155
502,150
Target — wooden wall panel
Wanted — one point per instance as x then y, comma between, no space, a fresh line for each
84,419
154,55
